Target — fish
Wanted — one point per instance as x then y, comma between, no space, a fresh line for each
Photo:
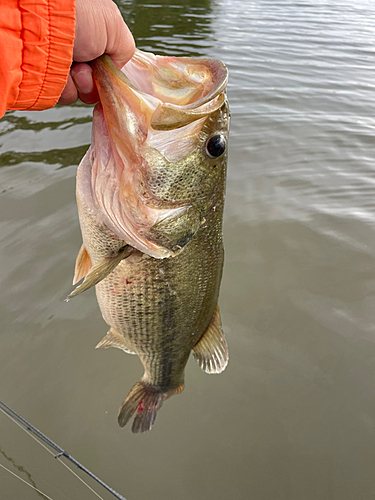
150,194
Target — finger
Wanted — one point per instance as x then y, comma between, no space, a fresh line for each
91,98
84,82
120,43
69,94
82,77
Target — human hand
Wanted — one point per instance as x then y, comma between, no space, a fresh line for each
100,29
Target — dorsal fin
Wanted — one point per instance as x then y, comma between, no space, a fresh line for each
83,264
211,351
114,339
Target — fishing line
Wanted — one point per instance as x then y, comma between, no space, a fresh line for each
52,444
28,484
38,436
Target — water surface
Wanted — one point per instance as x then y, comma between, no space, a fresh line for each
292,417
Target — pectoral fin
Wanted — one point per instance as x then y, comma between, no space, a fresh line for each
211,351
175,232
114,339
100,271
83,264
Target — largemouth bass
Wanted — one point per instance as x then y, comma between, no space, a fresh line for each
150,195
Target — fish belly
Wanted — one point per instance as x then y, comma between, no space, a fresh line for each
161,307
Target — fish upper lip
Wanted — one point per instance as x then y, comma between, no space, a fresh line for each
162,114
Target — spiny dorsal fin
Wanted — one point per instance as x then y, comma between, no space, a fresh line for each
100,270
83,264
211,351
114,339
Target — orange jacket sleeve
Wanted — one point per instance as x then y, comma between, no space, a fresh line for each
36,51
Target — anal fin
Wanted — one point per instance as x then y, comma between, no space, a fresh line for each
114,339
211,351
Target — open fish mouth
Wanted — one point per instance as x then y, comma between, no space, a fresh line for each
148,129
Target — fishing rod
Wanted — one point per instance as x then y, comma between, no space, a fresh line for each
60,452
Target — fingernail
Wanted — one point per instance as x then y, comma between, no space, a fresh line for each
84,82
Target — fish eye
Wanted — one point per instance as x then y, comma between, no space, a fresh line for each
215,146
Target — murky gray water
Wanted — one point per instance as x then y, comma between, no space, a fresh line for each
292,417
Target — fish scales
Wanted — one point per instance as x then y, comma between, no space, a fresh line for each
150,191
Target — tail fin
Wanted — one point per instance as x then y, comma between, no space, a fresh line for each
145,400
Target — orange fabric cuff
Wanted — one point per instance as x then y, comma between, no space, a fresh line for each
48,28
